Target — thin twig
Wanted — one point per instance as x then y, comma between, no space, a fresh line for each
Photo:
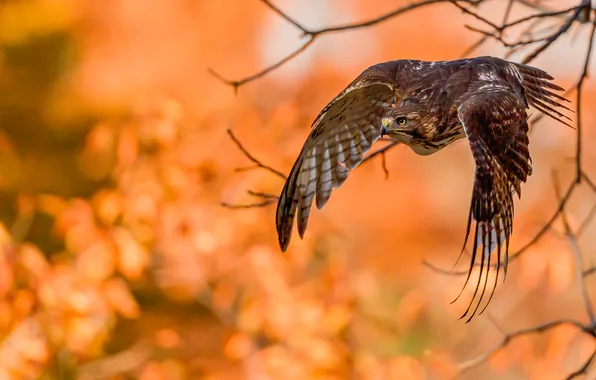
285,16
578,258
263,195
475,15
589,271
589,182
586,222
313,34
384,165
268,199
380,151
474,46
469,364
580,83
502,41
546,226
506,14
584,368
537,16
237,83
252,158
552,38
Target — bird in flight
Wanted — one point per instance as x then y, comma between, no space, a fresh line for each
427,106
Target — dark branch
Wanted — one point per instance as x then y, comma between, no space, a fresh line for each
267,199
475,15
589,271
465,366
237,83
587,221
384,165
552,38
579,85
584,369
258,163
313,34
578,258
264,203
285,16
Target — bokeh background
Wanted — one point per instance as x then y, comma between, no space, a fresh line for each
118,260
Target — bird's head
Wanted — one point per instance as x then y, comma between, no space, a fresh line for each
403,125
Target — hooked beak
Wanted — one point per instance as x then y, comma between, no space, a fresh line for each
384,130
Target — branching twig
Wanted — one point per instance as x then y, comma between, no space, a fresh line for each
586,222
584,369
552,38
312,35
264,203
474,14
469,364
580,83
237,83
578,258
252,158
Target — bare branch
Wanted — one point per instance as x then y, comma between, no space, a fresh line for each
589,182
580,83
267,199
578,258
286,16
584,369
264,203
538,16
586,222
252,158
313,34
507,13
552,38
475,15
547,226
384,165
380,151
589,271
474,46
263,195
469,364
512,45
237,83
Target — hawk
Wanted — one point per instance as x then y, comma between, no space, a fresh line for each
427,106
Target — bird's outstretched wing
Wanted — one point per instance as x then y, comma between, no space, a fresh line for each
495,123
539,91
342,133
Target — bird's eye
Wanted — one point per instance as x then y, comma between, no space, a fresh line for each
401,121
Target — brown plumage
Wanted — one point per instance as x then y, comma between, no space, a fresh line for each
427,106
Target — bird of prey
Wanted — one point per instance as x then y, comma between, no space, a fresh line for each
427,106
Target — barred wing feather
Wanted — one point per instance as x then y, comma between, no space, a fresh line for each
342,133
